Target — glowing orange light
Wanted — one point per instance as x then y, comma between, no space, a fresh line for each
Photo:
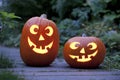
82,51
32,28
50,30
39,50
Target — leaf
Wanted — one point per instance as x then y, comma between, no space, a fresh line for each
12,16
8,15
96,6
3,13
107,1
81,13
109,17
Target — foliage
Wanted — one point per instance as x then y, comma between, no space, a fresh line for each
90,7
112,62
5,62
67,30
7,75
10,29
111,40
6,19
29,8
87,18
63,7
82,14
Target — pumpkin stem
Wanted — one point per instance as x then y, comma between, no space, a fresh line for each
84,35
43,16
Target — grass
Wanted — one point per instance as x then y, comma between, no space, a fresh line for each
7,75
5,62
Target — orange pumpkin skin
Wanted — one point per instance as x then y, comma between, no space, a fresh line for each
84,52
39,42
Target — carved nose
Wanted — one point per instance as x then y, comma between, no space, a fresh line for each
41,38
82,51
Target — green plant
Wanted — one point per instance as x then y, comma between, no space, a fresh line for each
60,55
10,29
112,62
6,19
97,20
5,62
25,10
68,28
111,40
13,40
7,75
64,7
81,14
112,59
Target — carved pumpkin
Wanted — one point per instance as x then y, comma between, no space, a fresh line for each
84,52
39,42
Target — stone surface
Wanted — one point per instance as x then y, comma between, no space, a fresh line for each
58,70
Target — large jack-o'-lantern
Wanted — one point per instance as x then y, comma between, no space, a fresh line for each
39,41
84,52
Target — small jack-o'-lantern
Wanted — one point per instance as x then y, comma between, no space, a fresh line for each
39,41
84,52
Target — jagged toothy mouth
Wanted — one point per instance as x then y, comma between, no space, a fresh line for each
39,50
83,59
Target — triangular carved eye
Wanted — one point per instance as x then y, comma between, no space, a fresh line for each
50,30
32,29
74,45
92,45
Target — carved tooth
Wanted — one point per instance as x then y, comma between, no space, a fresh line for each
49,45
31,43
39,50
